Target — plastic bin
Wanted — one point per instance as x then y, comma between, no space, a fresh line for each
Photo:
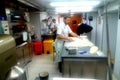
38,48
48,46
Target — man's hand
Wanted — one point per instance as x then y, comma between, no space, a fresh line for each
75,35
79,37
69,39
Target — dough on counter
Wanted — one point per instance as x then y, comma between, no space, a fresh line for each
93,50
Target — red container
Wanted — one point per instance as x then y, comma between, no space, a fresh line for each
37,48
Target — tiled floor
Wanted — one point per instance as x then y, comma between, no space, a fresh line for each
42,63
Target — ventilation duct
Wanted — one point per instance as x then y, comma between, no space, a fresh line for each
29,3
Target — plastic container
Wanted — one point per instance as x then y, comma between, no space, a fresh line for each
44,76
48,46
83,52
38,47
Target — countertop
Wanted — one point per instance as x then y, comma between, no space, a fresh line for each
77,54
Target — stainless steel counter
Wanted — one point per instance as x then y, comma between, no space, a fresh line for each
92,66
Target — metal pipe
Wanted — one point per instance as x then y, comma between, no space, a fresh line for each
108,46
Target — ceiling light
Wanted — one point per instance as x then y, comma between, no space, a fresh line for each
58,78
73,9
80,3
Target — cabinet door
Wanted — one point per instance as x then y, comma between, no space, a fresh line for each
30,50
20,55
78,19
26,53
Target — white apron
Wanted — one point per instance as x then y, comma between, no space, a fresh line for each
58,44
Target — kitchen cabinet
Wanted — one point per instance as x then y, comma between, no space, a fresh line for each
18,20
24,53
20,54
28,52
18,25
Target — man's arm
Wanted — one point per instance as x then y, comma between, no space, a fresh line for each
75,35
59,36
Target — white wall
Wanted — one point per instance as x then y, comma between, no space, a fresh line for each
114,31
98,34
35,21
112,26
43,15
99,31
117,54
94,25
112,23
104,40
43,24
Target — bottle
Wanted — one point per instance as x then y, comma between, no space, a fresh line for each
1,18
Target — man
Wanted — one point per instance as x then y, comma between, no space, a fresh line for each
63,32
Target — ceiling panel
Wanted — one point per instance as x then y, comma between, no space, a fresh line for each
45,4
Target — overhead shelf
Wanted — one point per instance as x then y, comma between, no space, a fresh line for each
28,3
21,4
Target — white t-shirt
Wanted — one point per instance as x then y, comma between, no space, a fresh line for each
63,29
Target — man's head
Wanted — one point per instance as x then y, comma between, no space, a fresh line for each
66,19
54,20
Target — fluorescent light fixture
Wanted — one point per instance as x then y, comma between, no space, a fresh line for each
17,16
79,3
73,9
57,78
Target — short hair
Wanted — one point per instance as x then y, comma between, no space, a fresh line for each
53,19
65,17
74,22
